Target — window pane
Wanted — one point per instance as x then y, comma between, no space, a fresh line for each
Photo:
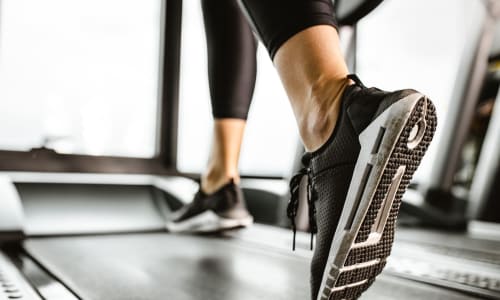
417,44
271,138
80,76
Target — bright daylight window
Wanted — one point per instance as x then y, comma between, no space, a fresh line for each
80,76
271,137
417,44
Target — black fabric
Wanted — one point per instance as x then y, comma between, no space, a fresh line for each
232,65
372,102
232,47
275,21
358,13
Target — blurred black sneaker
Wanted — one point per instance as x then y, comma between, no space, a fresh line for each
355,184
222,210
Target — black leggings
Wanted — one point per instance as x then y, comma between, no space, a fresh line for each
232,46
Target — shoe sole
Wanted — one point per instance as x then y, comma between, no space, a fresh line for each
391,149
208,222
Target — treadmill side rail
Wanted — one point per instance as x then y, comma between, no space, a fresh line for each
12,283
11,212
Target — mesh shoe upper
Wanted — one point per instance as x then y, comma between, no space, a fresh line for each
330,168
227,202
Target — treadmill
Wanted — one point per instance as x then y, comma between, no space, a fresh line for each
102,236
94,236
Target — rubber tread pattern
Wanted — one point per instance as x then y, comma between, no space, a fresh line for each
360,274
400,155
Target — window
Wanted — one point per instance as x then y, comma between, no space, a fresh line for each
417,44
80,76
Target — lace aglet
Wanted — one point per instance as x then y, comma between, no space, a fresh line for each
293,243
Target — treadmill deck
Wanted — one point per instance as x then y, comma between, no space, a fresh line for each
182,267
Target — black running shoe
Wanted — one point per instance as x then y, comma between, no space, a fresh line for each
222,210
356,181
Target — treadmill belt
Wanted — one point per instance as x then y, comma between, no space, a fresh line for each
179,267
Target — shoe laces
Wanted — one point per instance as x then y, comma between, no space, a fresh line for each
293,203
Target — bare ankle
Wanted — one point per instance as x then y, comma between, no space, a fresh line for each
321,116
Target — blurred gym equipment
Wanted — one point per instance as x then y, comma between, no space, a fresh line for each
77,227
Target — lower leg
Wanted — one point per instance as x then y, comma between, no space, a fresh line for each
224,156
232,67
314,74
307,56
219,204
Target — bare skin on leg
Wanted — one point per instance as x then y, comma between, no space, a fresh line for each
314,74
224,155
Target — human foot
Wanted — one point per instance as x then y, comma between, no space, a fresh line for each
356,182
222,210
